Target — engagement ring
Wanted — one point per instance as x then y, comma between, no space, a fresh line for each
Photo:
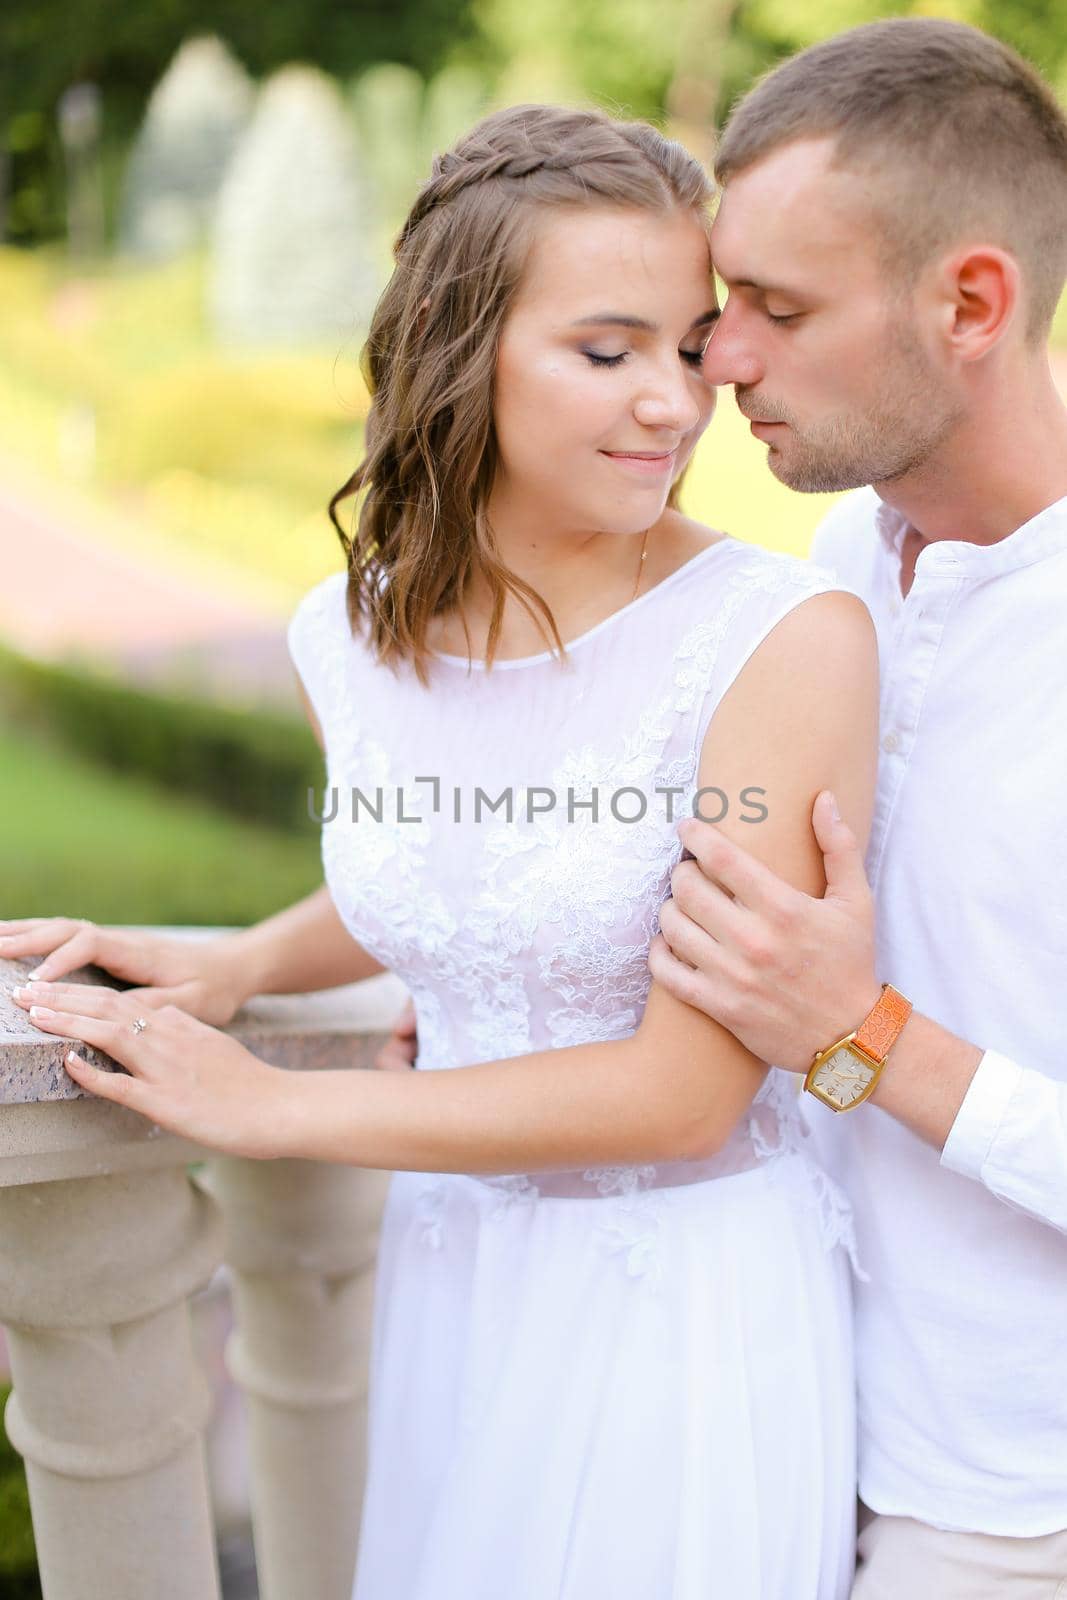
139,1025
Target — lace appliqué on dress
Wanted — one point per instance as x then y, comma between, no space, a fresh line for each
782,1138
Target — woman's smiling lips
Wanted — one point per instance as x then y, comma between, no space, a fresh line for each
647,463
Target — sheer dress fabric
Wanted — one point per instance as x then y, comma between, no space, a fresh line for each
625,1381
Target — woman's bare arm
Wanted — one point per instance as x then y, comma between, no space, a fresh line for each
304,947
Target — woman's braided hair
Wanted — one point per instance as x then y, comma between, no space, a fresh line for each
430,357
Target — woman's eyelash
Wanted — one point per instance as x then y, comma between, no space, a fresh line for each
790,316
694,357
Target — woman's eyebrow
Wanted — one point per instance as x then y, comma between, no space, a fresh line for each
618,319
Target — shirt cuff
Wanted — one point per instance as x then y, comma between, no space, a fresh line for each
979,1118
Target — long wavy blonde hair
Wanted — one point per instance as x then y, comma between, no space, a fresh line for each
421,530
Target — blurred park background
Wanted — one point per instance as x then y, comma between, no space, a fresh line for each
197,199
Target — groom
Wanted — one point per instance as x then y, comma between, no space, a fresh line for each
893,234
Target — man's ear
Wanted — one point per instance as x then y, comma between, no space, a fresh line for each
982,295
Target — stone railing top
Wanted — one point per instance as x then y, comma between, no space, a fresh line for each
333,1028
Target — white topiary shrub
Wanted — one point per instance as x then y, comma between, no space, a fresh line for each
195,116
291,244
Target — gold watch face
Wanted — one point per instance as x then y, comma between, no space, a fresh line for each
842,1078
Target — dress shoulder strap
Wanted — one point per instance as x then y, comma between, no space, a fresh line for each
316,636
761,589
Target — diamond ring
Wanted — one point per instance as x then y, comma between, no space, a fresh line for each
139,1025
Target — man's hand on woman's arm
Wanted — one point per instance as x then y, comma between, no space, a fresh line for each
788,973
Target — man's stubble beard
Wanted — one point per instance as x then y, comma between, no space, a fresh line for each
910,417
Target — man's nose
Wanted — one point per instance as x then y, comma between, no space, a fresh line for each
729,356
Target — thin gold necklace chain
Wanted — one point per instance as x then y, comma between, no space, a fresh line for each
640,566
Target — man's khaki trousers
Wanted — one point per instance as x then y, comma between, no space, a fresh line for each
900,1559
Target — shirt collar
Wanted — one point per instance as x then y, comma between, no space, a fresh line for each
1043,535
892,526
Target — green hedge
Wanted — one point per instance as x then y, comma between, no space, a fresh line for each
80,841
18,1556
253,763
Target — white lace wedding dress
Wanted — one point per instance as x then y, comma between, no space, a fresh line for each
619,1384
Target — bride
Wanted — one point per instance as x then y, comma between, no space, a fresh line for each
612,1346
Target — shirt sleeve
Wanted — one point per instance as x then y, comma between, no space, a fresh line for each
823,551
1010,1134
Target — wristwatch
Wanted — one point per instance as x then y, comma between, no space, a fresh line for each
844,1075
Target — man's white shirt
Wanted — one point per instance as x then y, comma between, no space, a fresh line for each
962,1326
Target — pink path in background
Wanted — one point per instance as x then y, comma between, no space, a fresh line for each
64,592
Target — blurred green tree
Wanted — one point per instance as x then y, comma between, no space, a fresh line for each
686,60
1035,28
46,45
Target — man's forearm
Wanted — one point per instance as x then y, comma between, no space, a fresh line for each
926,1079
1001,1124
304,947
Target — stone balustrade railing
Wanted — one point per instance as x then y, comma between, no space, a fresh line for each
104,1235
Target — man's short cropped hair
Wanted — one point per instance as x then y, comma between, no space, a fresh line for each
963,137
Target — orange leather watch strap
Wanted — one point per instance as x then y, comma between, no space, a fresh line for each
880,1029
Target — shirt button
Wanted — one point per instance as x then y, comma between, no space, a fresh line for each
891,743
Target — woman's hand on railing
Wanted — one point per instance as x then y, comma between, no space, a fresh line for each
180,1074
201,976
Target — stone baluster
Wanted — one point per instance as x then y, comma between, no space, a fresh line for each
300,1243
103,1237
109,1406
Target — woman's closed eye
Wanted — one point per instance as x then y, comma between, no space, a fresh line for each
690,357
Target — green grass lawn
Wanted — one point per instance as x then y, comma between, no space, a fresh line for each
79,841
18,1562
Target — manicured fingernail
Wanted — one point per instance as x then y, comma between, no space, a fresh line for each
835,812
40,1011
19,993
37,974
